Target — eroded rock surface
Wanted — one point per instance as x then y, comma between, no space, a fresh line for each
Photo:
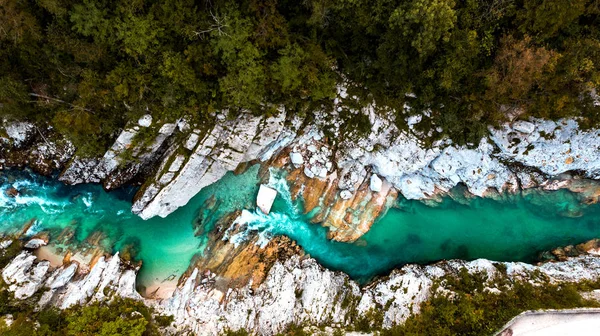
294,289
324,157
209,154
69,284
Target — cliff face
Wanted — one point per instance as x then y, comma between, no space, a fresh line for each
207,155
293,290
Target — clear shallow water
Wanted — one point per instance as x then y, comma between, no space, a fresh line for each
517,228
165,245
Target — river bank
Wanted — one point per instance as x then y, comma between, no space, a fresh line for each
359,206
295,291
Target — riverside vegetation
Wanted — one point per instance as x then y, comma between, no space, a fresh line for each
87,67
470,310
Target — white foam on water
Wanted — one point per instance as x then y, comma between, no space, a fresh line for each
266,226
87,200
34,229
279,183
255,221
6,202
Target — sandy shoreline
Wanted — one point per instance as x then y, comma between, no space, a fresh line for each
49,253
162,290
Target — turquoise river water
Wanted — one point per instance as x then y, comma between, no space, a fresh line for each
515,228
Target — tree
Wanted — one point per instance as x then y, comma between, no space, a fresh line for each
425,22
518,69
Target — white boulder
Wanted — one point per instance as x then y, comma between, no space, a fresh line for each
266,197
345,194
297,159
523,126
19,132
375,183
413,120
35,243
145,120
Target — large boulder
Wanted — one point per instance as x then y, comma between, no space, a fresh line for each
266,197
297,159
375,183
523,126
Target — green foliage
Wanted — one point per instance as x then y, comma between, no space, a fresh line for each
294,330
426,22
89,67
239,332
13,94
118,317
475,311
103,320
371,319
9,253
164,320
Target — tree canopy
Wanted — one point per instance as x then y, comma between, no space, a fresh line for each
87,67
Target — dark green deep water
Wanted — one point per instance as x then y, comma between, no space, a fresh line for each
516,228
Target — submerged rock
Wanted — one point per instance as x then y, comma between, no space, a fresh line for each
12,192
266,290
299,291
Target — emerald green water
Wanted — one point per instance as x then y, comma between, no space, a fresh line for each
516,228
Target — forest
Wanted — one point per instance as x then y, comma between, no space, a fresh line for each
87,67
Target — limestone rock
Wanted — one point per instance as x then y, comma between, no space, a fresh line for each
23,277
346,194
109,169
222,148
523,126
375,184
145,120
19,132
297,159
35,243
294,290
553,148
266,197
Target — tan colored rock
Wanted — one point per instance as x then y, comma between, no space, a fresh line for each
235,265
591,247
12,192
347,219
